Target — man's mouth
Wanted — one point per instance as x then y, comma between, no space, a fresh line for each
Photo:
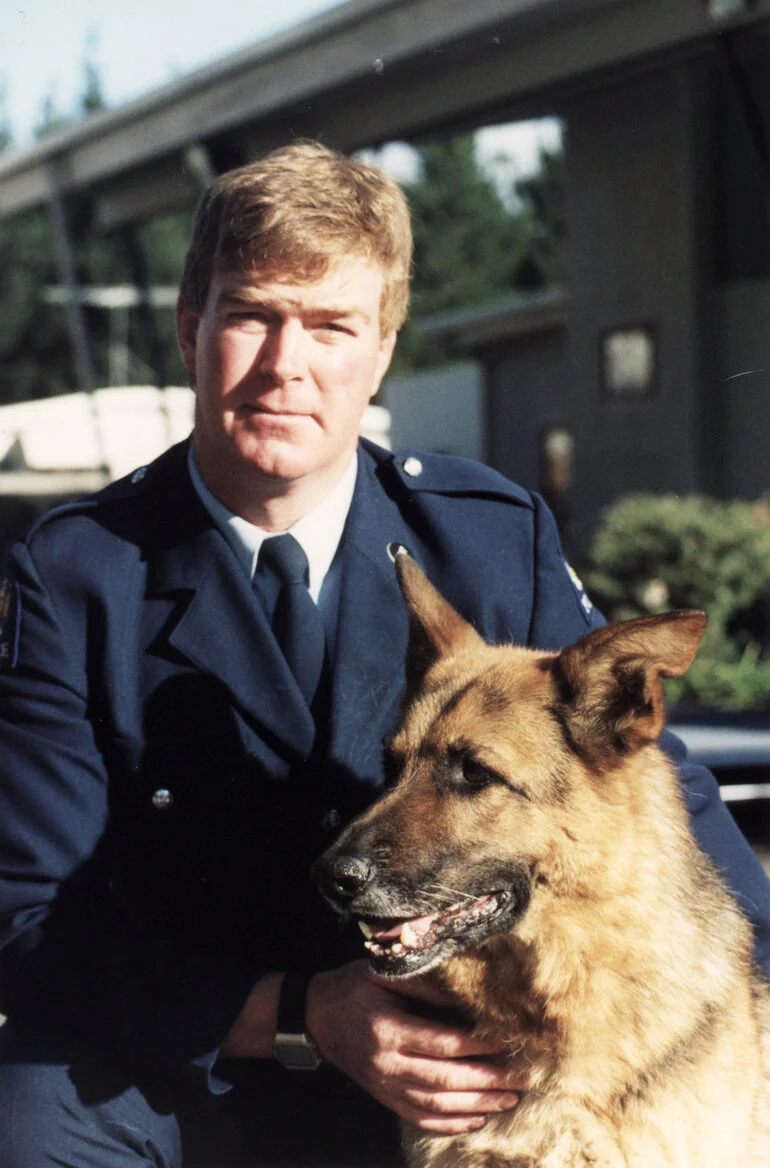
405,947
278,414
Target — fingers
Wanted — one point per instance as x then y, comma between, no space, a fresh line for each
454,1075
439,1096
450,1125
424,1037
466,1104
451,1112
440,1078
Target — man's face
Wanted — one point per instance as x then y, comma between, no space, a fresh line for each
283,373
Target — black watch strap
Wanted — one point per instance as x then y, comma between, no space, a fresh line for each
293,1046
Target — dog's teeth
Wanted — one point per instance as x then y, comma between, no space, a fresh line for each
409,938
397,948
365,929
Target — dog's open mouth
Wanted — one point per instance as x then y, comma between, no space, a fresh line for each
401,948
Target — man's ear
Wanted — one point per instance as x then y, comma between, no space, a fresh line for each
610,683
187,333
384,357
435,629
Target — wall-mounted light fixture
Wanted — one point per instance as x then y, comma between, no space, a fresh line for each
629,361
719,10
557,447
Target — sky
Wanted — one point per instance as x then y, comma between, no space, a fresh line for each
139,45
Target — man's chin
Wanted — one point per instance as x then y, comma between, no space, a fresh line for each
279,462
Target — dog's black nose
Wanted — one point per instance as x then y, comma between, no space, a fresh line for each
343,877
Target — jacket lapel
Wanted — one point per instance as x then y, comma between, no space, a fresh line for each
223,629
372,628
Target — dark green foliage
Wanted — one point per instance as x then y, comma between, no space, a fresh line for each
655,553
164,242
35,349
544,197
470,248
35,355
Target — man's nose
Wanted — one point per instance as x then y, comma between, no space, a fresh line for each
282,355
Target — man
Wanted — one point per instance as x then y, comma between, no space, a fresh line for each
171,766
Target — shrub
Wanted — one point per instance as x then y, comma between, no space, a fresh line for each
654,553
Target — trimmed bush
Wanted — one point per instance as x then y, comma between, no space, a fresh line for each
654,553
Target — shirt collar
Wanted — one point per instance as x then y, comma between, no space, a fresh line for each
318,533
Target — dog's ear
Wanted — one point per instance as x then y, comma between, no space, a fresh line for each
435,629
610,683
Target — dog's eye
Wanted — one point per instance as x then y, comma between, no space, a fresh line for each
476,775
459,771
472,775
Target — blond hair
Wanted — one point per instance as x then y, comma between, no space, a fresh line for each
298,210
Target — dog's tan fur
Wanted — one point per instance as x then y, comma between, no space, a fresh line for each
625,993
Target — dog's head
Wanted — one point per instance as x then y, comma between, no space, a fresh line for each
500,760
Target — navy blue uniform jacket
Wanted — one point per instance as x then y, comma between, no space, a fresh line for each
162,788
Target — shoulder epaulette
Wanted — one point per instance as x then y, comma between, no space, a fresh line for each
448,475
130,486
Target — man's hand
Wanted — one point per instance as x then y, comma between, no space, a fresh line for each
433,1074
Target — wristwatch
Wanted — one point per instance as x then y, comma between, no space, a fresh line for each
292,1045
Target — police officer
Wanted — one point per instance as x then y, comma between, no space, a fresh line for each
201,666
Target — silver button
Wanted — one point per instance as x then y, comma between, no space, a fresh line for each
412,467
162,799
331,819
138,475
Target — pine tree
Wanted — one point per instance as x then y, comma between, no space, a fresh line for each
544,195
470,248
35,349
92,98
6,135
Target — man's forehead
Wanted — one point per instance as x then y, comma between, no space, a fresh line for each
349,277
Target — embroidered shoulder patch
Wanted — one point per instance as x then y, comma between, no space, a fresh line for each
10,619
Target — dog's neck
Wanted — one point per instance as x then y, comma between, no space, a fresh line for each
575,970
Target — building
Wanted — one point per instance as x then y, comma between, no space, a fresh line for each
652,371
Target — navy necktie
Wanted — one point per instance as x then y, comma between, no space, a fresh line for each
297,622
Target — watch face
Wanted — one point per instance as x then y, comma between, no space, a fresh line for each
296,1052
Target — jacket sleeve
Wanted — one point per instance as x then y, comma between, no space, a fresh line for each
71,952
561,615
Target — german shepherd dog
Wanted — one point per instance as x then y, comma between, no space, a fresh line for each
535,854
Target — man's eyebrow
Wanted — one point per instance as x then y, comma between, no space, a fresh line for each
336,312
244,296
253,298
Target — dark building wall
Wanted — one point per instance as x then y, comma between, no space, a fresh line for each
527,391
638,249
743,381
